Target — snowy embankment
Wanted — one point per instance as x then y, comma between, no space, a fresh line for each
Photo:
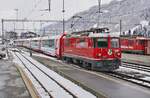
55,90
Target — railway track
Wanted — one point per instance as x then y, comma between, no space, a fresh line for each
130,78
140,67
134,76
50,86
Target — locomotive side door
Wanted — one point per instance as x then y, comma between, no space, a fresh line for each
148,47
57,47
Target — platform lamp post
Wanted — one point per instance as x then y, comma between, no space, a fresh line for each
120,26
63,11
2,31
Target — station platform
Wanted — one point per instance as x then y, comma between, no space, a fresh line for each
134,58
108,86
11,83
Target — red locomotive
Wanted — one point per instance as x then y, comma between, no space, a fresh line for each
95,49
136,45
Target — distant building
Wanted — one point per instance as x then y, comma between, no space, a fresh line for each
10,35
28,35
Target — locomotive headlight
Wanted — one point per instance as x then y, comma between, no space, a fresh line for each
99,54
118,53
110,52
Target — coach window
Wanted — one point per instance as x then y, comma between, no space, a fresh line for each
115,43
35,43
102,43
43,43
47,43
51,43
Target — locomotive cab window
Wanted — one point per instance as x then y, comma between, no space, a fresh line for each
115,43
82,43
102,43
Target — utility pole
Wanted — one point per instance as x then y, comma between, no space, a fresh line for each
99,12
63,11
49,5
99,4
120,26
2,31
16,13
23,26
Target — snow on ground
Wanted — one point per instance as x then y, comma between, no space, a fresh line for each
55,90
73,88
37,86
147,74
144,23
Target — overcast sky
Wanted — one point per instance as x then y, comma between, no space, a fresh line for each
31,8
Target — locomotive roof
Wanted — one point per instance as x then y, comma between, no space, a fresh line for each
94,32
51,37
103,35
40,38
136,37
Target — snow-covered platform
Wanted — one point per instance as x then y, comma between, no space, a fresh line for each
11,84
134,58
47,82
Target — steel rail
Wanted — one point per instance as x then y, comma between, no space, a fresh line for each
136,66
129,78
34,76
74,96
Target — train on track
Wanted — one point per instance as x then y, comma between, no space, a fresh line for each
95,49
135,45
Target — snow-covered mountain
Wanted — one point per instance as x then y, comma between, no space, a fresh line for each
135,14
